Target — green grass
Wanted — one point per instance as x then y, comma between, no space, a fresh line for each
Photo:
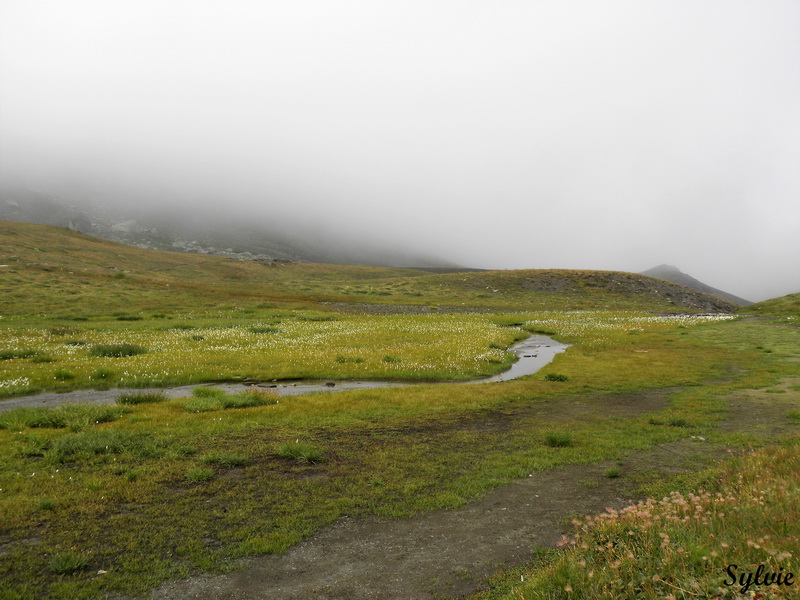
785,308
45,504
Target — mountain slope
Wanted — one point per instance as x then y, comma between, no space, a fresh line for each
675,275
199,231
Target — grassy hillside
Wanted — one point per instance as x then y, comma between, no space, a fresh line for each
65,274
786,307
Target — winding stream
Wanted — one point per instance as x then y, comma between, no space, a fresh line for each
533,353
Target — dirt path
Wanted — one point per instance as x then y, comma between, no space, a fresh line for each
445,553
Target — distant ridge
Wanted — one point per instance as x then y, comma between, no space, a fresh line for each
675,275
73,275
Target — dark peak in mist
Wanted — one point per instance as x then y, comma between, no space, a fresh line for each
675,275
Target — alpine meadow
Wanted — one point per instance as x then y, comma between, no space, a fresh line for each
153,448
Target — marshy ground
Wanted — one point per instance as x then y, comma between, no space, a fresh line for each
454,553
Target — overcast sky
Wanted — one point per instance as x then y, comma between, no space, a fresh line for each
506,134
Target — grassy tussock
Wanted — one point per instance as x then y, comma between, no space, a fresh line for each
210,399
225,459
17,354
199,474
141,398
67,563
116,350
558,439
301,452
73,416
87,445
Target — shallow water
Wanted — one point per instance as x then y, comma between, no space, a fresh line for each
533,353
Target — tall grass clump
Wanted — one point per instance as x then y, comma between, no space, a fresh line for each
63,375
349,359
558,439
62,331
67,563
698,545
89,444
24,417
225,459
263,329
207,399
207,392
102,374
556,377
13,354
116,350
249,398
73,416
301,452
141,398
199,474
41,359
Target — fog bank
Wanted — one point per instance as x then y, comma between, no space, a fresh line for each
602,135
